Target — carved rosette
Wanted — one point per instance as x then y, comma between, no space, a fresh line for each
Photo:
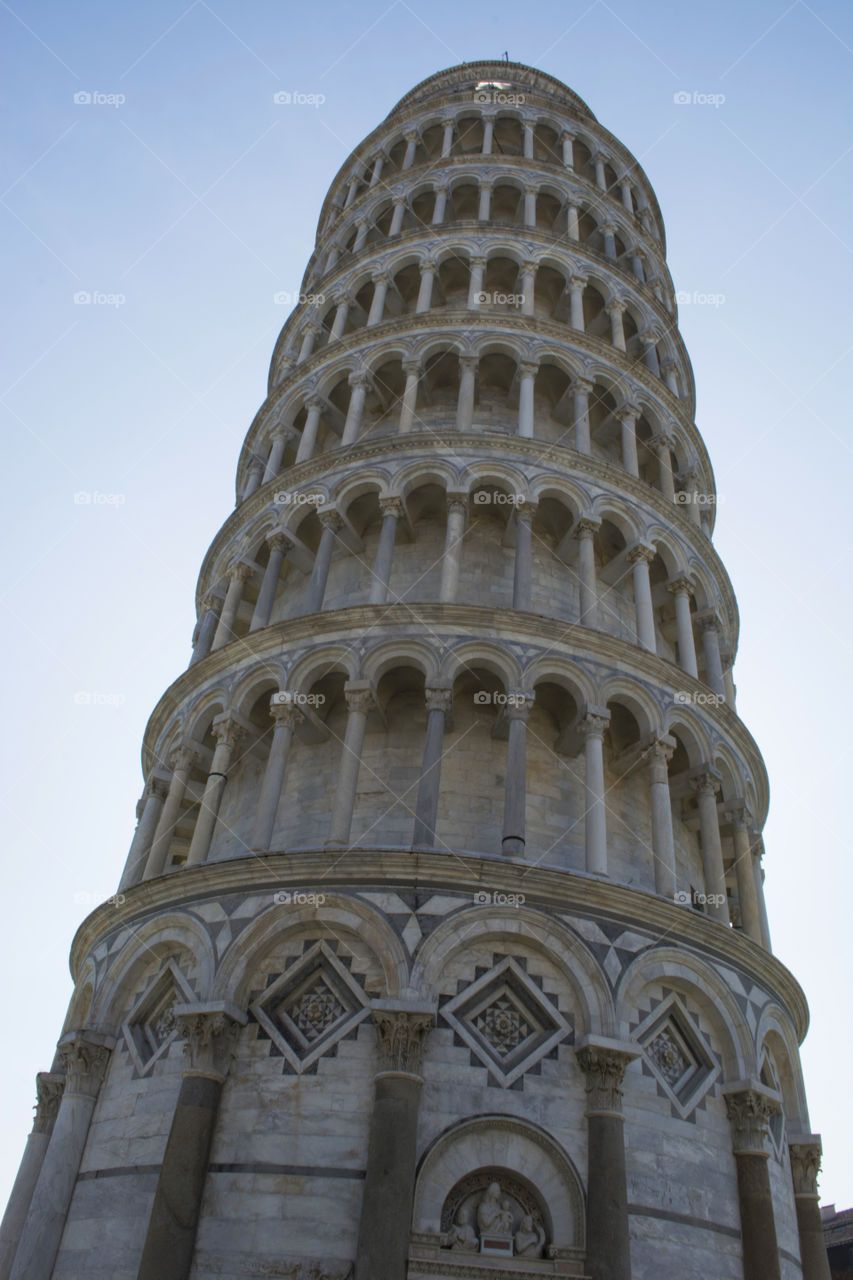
805,1167
749,1113
604,1070
210,1041
84,1064
49,1089
401,1038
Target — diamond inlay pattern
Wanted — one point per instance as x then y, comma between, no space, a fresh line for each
315,1010
504,1025
669,1058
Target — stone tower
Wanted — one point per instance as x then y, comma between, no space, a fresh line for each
440,950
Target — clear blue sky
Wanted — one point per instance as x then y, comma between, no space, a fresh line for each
196,199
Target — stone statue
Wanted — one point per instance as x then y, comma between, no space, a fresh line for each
462,1237
505,1217
489,1210
529,1238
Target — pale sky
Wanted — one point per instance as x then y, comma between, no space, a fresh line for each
186,206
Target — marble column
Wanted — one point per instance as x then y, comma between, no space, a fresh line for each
279,438
516,711
397,217
359,383
359,699
392,510
573,221
528,141
440,207
577,284
361,229
465,402
378,166
522,583
625,192
308,439
484,205
181,763
153,799
49,1086
254,476
386,1208
286,718
600,176
332,524
439,701
616,311
228,731
650,354
581,391
670,376
749,1112
411,140
381,284
750,917
475,285
237,575
628,416
351,190
568,143
706,785
608,1246
279,545
408,404
488,135
585,531
309,338
637,266
84,1056
680,589
530,207
339,323
207,629
663,843
210,1033
527,384
447,139
528,288
609,233
757,855
641,557
805,1153
708,625
593,725
425,288
662,443
457,516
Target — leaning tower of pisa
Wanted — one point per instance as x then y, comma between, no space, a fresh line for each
440,949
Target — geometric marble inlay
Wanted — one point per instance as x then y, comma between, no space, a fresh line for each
150,1026
676,1051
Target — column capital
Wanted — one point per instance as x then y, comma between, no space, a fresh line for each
439,697
531,188
649,337
629,413
680,586
412,366
49,1089
359,696
359,378
255,465
526,510
642,552
739,815
661,750
401,1035
519,703
156,785
411,135
330,518
279,541
706,781
706,620
240,571
749,1110
381,276
604,1067
391,506
284,711
84,1056
578,282
486,184
314,401
586,527
457,502
594,722
211,601
210,1033
567,134
805,1155
582,386
184,756
227,729
662,440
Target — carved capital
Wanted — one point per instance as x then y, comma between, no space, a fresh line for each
707,620
749,1112
706,782
279,542
49,1089
615,307
227,731
594,723
184,757
285,714
391,507
586,528
439,698
210,1033
629,413
519,703
84,1063
401,1037
240,571
525,511
359,699
805,1167
641,553
359,378
680,586
582,386
578,283
661,752
604,1069
331,519
528,368
458,504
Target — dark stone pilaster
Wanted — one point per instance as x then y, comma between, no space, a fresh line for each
608,1247
749,1111
49,1088
210,1034
386,1209
805,1166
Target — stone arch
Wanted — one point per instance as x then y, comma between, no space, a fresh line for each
394,653
475,653
155,939
483,1142
321,662
563,672
631,694
774,1033
268,674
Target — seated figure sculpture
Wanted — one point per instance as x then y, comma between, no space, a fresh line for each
529,1238
462,1237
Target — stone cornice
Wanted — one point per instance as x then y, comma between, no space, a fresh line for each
544,888
558,637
